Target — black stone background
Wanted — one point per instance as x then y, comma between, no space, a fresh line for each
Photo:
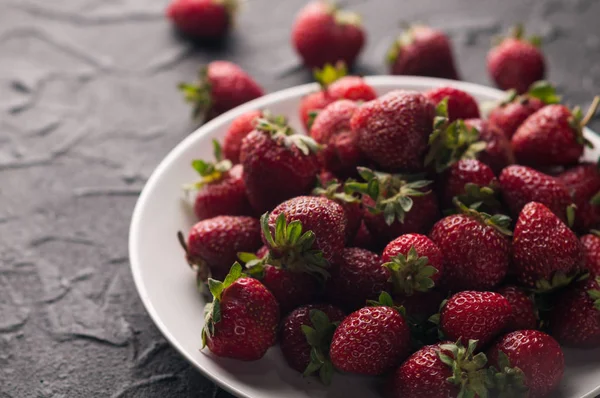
88,108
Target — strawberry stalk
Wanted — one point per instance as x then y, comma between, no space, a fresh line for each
410,273
578,121
469,371
319,337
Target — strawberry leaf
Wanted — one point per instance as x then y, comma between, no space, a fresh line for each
410,273
545,92
330,73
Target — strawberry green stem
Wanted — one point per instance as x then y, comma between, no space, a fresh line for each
591,111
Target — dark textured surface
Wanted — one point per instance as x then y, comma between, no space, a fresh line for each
88,107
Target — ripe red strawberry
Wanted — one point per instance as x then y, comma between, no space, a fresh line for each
583,182
553,136
443,370
350,203
213,244
393,130
414,262
498,152
526,363
514,109
221,189
475,247
278,165
523,310
290,288
372,340
545,251
357,276
472,315
591,253
323,217
516,62
521,185
238,129
242,320
395,204
222,86
422,51
323,33
481,179
461,105
306,330
202,19
575,319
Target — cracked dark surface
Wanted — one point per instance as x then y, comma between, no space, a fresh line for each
88,108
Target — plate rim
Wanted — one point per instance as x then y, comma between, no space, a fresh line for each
264,101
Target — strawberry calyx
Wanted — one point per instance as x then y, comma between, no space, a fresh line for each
319,337
406,38
499,222
330,73
197,264
198,95
559,280
291,248
544,91
518,32
481,198
212,311
410,273
451,142
469,371
595,294
508,381
210,172
392,193
279,130
595,200
578,121
336,191
385,300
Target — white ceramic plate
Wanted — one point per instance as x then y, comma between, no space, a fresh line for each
167,287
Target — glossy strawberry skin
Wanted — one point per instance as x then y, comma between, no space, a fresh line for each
319,38
292,340
523,310
313,102
238,129
508,117
249,319
357,276
476,256
515,64
498,152
461,105
423,375
200,19
575,320
274,172
463,172
324,217
429,54
521,185
583,182
419,219
216,242
224,197
424,247
546,139
537,354
591,254
475,315
393,130
370,341
543,245
291,289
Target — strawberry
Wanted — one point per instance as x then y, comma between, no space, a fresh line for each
575,319
498,152
443,370
221,190
591,253
357,276
526,363
514,109
278,165
372,340
395,204
422,51
363,238
475,247
212,244
351,205
553,136
522,306
546,253
305,337
323,33
474,315
222,86
290,288
516,62
521,185
583,182
241,322
470,179
393,130
461,105
202,19
238,129
414,262
324,218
